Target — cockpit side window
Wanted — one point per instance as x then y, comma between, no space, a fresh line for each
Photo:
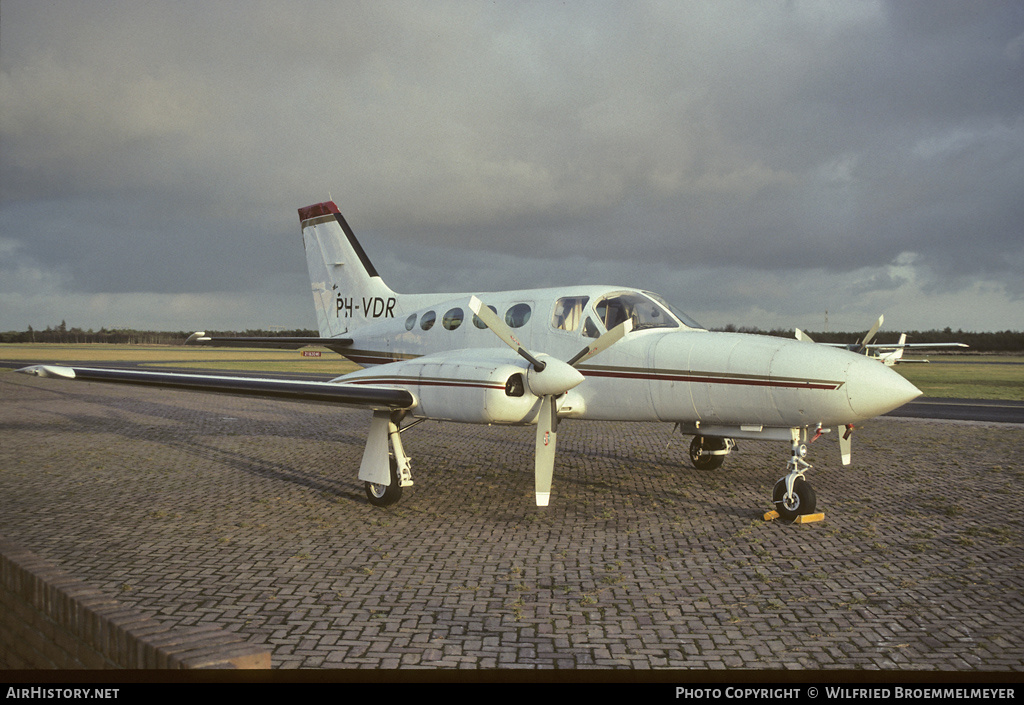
568,312
644,311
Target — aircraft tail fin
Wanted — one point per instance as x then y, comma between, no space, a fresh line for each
347,291
897,355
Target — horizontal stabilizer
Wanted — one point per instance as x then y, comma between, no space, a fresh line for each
277,342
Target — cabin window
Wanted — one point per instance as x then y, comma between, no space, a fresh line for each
518,315
569,312
645,312
480,324
410,322
452,319
427,320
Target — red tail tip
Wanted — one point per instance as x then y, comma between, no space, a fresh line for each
318,209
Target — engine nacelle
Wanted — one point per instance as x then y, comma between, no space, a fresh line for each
473,393
468,389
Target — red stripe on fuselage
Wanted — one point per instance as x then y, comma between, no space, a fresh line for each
711,379
371,358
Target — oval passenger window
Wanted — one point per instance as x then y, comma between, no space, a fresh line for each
452,319
518,315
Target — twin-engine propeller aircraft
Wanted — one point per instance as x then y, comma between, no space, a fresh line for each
888,354
536,357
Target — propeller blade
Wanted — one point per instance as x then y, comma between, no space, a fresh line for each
846,443
800,335
500,329
871,333
604,342
544,460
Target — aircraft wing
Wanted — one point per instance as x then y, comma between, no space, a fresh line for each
896,346
280,343
365,396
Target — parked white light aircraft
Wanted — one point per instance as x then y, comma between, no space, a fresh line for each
888,354
535,357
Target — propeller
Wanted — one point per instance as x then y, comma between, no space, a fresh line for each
548,379
846,432
855,347
869,336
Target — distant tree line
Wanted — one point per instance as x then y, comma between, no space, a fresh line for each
998,342
125,336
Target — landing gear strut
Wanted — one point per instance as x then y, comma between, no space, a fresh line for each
793,495
385,473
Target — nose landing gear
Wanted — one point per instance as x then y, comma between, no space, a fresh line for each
793,495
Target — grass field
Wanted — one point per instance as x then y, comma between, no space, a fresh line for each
968,377
958,376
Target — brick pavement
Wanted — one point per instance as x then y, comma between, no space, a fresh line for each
247,514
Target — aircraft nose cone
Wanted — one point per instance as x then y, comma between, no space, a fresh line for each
874,389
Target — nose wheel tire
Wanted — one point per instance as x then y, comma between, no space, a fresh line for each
385,495
803,500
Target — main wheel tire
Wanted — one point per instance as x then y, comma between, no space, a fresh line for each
706,462
803,501
385,495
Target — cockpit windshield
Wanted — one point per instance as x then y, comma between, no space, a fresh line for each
645,309
684,319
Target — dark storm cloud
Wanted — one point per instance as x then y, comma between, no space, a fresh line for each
164,147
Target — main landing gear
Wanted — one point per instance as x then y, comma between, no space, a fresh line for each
708,453
379,492
385,495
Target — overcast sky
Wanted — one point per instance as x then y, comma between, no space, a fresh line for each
757,163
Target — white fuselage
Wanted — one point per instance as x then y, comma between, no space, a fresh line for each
666,371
